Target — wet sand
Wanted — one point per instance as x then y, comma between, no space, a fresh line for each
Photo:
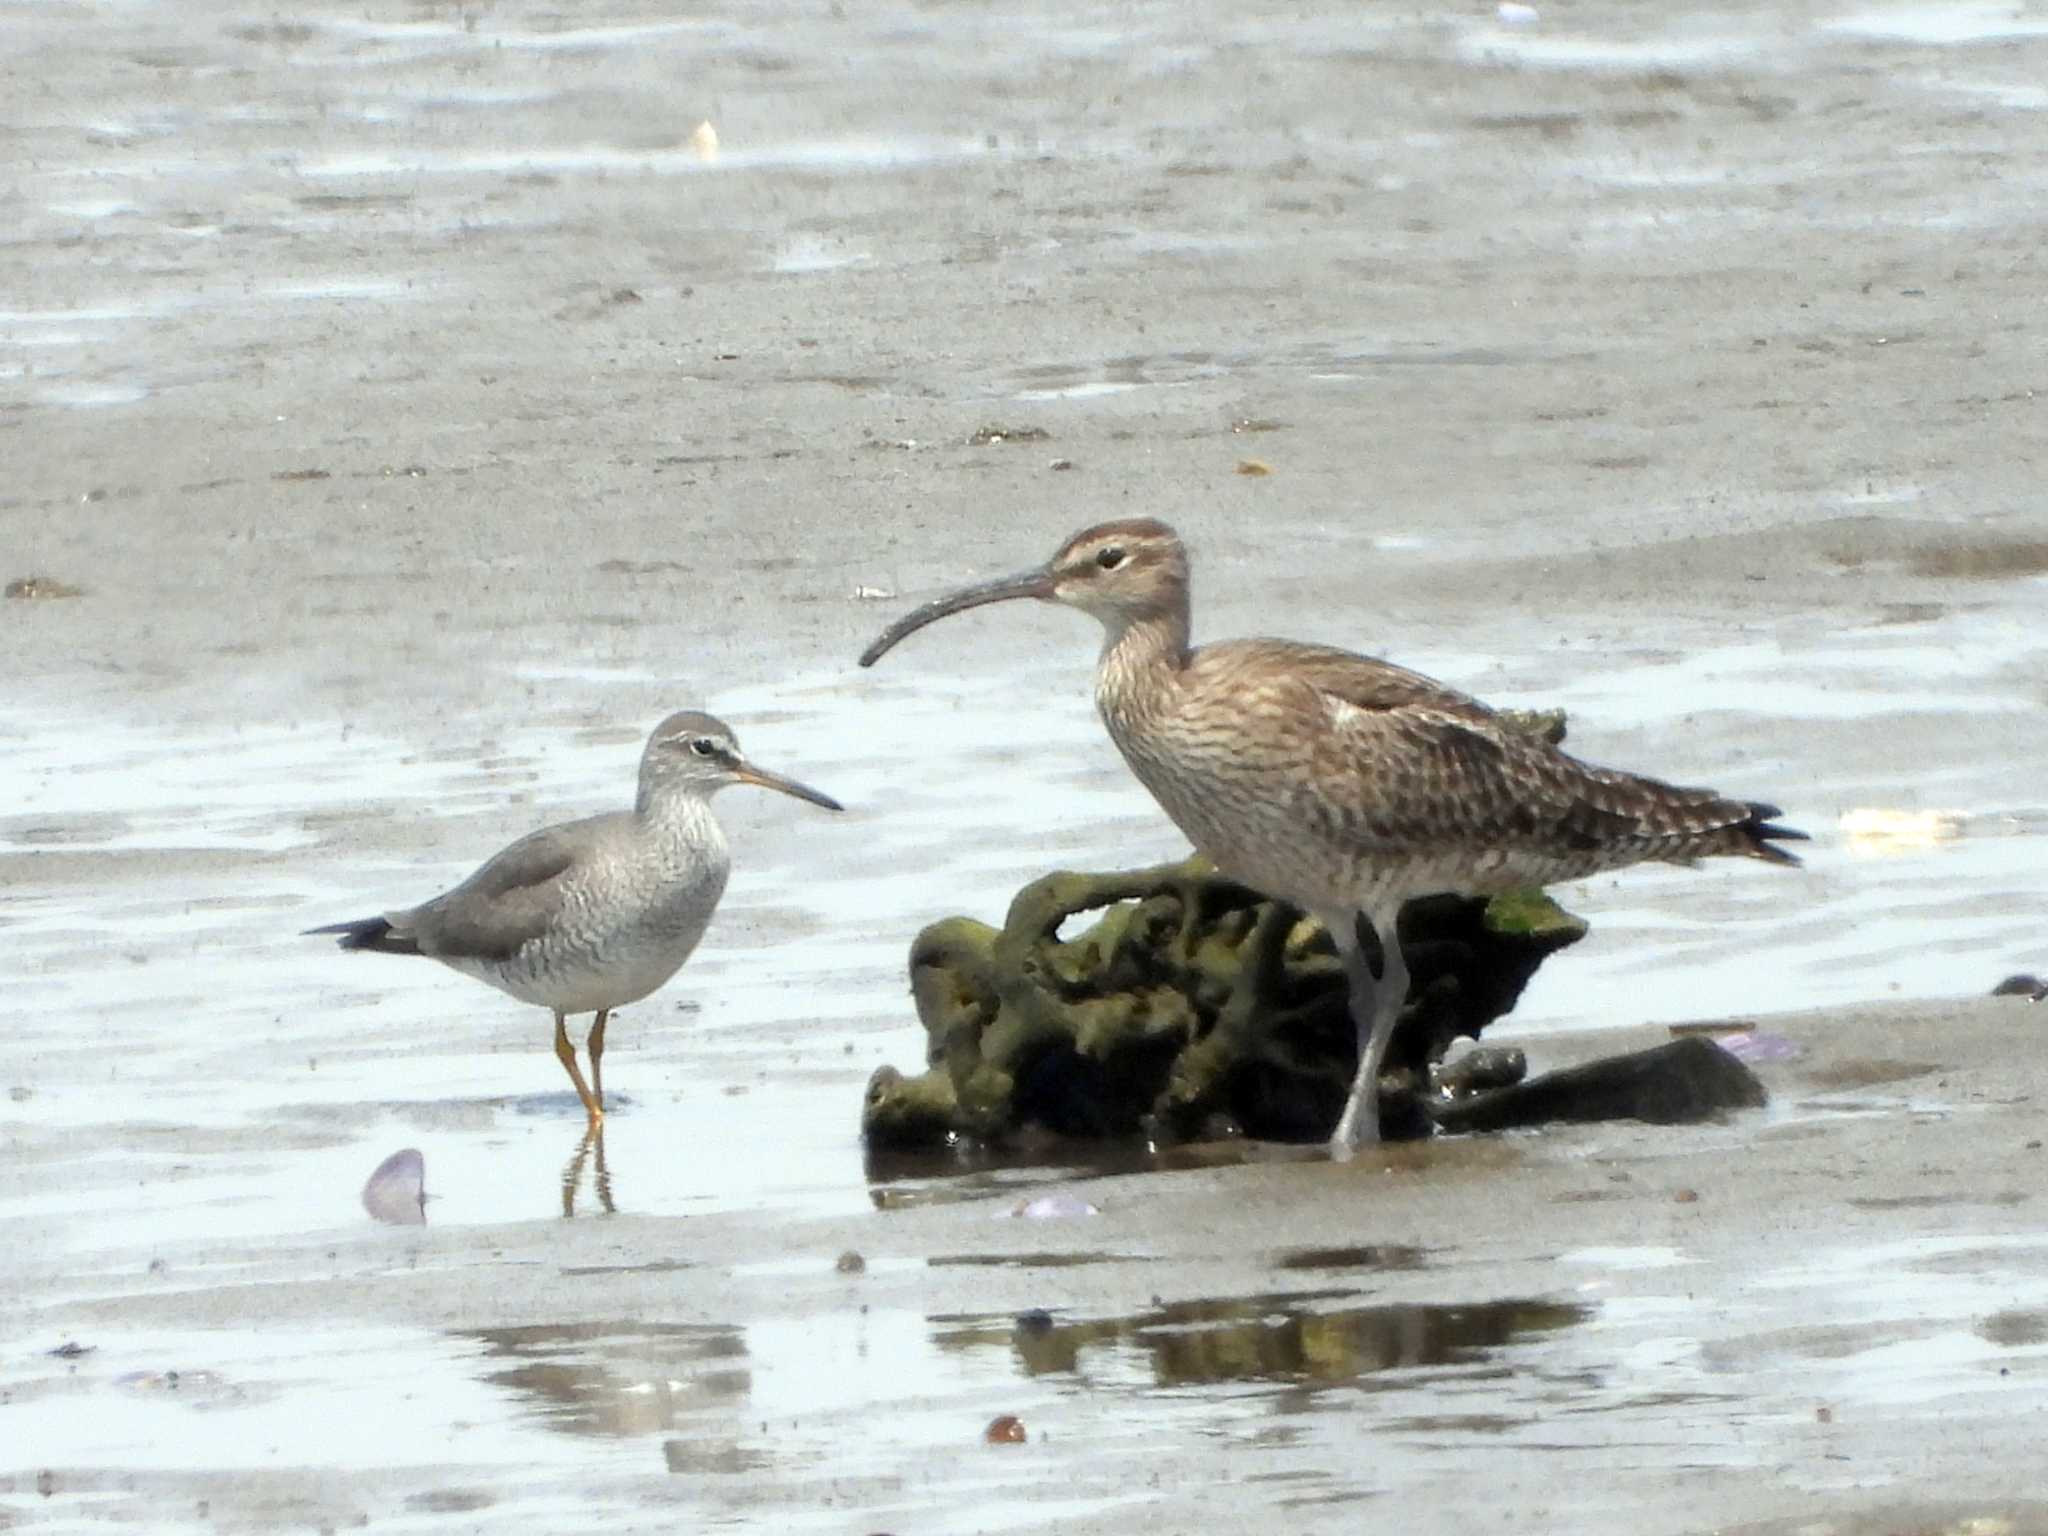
421,417
1818,1317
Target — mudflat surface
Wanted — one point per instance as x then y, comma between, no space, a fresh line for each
420,415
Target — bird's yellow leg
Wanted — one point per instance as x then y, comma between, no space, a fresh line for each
572,1175
565,1053
603,1182
597,1057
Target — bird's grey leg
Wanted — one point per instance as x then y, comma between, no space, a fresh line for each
1363,992
566,1054
597,1057
1375,1010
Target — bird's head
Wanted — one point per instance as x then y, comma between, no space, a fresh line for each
696,753
1121,572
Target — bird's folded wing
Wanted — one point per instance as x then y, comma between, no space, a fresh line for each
508,902
1420,777
1409,760
1364,681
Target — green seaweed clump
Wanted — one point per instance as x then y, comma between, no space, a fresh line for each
1190,1007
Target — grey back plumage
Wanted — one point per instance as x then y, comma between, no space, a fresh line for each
509,902
590,915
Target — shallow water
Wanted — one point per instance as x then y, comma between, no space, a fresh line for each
845,1403
765,1039
764,1043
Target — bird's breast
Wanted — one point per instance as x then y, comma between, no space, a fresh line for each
1241,789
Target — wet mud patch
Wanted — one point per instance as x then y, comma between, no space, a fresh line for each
2015,1329
1987,561
649,1267
1045,1260
1930,1202
1359,1256
715,1458
1869,1072
451,1501
1821,1342
1930,549
41,587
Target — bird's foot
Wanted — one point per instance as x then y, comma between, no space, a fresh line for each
1359,1127
1346,1146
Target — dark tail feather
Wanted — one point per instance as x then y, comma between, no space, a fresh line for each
1761,835
372,933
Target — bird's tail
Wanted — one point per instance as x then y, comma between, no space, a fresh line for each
1758,836
1680,825
1692,824
373,933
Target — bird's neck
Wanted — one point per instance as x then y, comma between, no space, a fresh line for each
673,815
1141,658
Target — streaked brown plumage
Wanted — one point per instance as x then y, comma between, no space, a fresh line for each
1340,783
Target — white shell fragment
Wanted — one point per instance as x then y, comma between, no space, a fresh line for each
396,1192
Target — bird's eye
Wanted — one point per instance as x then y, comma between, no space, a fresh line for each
704,746
1110,556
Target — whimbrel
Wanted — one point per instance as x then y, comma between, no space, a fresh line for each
591,915
1343,784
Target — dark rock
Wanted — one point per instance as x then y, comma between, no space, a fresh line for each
1477,1071
1689,1080
908,1111
2030,987
1190,1002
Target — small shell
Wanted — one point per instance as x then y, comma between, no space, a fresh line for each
1053,1208
396,1192
1752,1047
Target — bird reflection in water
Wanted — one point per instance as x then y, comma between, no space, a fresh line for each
590,1149
622,1378
1288,1340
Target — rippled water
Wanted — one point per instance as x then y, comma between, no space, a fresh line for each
799,990
819,1406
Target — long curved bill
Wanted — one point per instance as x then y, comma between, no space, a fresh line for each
747,773
1037,583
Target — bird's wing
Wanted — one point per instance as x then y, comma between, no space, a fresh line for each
1364,681
1420,774
508,902
1394,758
